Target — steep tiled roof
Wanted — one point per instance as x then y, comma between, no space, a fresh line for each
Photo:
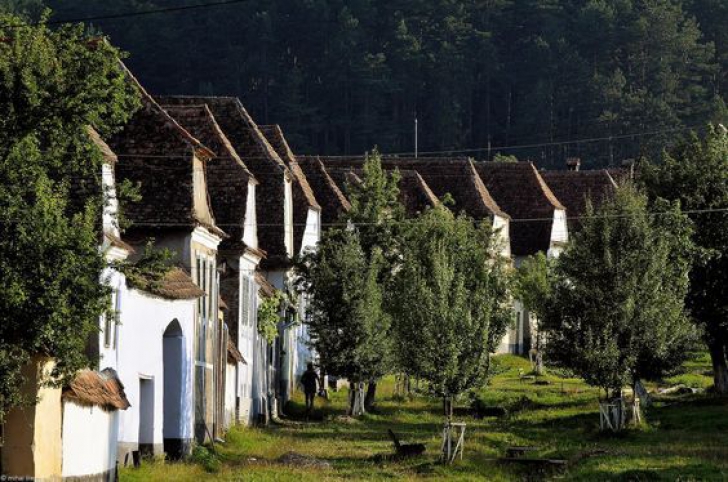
262,161
573,188
227,174
522,192
175,285
233,354
329,194
454,176
303,195
275,137
414,193
101,389
265,289
106,151
156,152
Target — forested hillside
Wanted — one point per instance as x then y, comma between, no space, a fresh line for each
341,76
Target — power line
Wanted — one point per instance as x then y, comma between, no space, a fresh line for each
417,220
545,144
156,11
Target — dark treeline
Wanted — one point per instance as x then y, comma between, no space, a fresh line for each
341,76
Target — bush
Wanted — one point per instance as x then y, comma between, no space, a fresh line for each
207,459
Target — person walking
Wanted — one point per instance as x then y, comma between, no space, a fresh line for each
309,380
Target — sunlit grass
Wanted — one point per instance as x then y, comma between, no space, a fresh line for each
686,438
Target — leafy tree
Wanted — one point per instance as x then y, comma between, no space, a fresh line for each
616,315
269,314
695,173
53,85
376,214
534,280
348,328
375,209
452,296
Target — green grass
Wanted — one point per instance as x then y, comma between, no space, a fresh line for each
686,438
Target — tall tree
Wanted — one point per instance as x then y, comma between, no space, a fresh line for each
347,326
53,85
341,76
695,173
616,315
451,296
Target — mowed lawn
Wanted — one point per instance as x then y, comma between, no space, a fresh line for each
686,437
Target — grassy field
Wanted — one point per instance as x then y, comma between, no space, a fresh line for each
686,438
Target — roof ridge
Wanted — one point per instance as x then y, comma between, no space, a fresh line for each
218,131
174,124
485,196
295,168
550,196
426,189
335,187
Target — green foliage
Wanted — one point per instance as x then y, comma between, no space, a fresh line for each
695,173
148,272
451,301
269,315
617,312
348,327
53,85
375,209
534,281
341,76
208,460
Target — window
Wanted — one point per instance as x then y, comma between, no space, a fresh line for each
245,302
112,318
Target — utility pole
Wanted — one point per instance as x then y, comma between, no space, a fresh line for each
416,136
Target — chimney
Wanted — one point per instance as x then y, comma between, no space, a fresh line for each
573,163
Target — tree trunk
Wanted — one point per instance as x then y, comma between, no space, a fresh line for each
720,369
447,407
370,396
356,399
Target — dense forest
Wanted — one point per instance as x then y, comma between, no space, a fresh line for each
605,80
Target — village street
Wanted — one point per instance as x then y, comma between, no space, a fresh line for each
363,240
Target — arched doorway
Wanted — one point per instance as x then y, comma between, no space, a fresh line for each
173,358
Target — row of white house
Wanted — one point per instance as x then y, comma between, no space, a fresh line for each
181,360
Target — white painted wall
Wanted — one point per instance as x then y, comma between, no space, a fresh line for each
111,205
303,354
247,337
89,440
502,227
288,215
250,232
231,379
559,234
144,318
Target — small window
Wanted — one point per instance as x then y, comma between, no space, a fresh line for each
112,318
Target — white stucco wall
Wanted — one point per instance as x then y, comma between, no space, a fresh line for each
89,440
559,234
502,227
144,319
231,380
250,232
288,216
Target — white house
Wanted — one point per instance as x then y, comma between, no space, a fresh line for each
233,191
539,226
170,166
306,236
